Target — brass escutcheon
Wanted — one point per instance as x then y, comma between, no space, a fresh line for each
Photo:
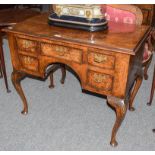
27,44
61,50
99,58
99,77
28,60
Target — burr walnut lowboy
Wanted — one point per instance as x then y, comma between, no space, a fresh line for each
106,62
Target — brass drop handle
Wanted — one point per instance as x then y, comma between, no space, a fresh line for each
99,78
98,58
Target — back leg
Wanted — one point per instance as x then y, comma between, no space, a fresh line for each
63,71
136,87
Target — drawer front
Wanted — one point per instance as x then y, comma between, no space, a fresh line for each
101,60
27,45
29,63
63,52
100,81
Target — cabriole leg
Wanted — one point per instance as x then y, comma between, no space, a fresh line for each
146,67
136,87
1,74
2,63
120,107
152,89
51,81
63,71
16,79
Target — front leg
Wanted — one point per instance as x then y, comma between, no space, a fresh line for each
16,78
120,107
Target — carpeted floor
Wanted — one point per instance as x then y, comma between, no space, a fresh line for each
64,118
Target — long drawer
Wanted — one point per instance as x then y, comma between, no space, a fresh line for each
62,52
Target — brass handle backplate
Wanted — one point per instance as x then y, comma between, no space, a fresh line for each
27,43
99,58
99,78
28,60
60,50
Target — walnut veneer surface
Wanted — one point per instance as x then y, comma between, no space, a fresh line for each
106,62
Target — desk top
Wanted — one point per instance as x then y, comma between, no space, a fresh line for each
124,38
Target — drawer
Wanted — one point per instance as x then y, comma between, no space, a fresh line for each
100,81
101,60
29,63
27,45
63,52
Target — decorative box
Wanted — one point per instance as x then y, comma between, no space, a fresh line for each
87,17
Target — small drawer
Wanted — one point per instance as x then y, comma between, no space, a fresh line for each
29,63
100,81
101,60
26,45
63,52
